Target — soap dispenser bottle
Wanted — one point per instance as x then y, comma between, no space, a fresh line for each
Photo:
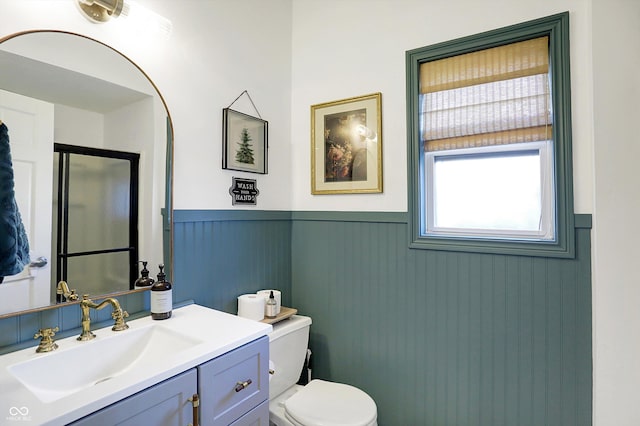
144,280
271,308
161,297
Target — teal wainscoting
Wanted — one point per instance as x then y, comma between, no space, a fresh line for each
445,338
436,338
220,254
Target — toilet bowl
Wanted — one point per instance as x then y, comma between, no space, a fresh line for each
319,403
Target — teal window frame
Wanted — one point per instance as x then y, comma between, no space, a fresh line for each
556,27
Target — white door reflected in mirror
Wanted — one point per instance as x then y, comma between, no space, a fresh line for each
30,124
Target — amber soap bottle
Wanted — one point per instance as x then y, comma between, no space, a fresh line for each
161,297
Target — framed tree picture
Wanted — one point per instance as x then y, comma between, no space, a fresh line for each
244,146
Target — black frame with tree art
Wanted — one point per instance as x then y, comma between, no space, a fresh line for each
244,146
346,146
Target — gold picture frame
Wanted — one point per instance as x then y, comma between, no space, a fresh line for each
346,146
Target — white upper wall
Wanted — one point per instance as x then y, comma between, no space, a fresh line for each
615,236
290,55
350,48
217,50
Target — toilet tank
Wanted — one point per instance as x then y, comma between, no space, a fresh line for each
287,350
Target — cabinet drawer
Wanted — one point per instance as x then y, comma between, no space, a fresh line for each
223,399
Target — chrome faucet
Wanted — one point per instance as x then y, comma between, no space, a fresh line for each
117,314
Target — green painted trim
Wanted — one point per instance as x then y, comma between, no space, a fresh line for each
374,217
185,216
557,28
583,221
167,229
180,216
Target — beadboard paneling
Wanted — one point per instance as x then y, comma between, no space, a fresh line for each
436,338
220,255
445,338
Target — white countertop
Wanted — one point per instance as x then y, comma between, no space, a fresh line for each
219,332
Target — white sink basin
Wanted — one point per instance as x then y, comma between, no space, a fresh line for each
58,374
79,378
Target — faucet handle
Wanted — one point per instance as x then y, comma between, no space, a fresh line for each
73,296
119,315
46,344
62,289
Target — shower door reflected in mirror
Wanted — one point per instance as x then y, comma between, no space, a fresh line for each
95,234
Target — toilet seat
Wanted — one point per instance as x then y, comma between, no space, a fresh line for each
322,403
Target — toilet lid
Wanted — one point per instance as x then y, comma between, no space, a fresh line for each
331,404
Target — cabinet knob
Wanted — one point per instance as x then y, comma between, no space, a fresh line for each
242,385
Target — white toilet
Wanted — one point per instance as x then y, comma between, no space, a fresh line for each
320,403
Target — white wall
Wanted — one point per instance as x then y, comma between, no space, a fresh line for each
217,50
344,48
350,48
616,282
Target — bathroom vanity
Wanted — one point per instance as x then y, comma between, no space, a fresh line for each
147,374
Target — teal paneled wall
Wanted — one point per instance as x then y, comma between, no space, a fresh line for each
437,338
445,338
220,255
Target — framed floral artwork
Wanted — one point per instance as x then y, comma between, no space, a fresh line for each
346,146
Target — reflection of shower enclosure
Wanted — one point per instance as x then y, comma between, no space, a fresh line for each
95,219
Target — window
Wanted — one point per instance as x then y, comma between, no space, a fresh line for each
490,142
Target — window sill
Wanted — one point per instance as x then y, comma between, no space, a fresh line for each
561,249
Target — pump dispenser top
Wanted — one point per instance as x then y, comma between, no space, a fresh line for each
144,280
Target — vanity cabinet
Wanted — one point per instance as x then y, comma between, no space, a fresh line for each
233,390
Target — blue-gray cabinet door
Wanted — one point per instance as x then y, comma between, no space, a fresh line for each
165,404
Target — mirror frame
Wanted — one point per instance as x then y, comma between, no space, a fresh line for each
167,220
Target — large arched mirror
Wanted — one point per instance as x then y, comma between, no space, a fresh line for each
91,144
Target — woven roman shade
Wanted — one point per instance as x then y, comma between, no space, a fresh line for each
489,97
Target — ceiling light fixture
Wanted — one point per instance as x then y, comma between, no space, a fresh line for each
100,11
